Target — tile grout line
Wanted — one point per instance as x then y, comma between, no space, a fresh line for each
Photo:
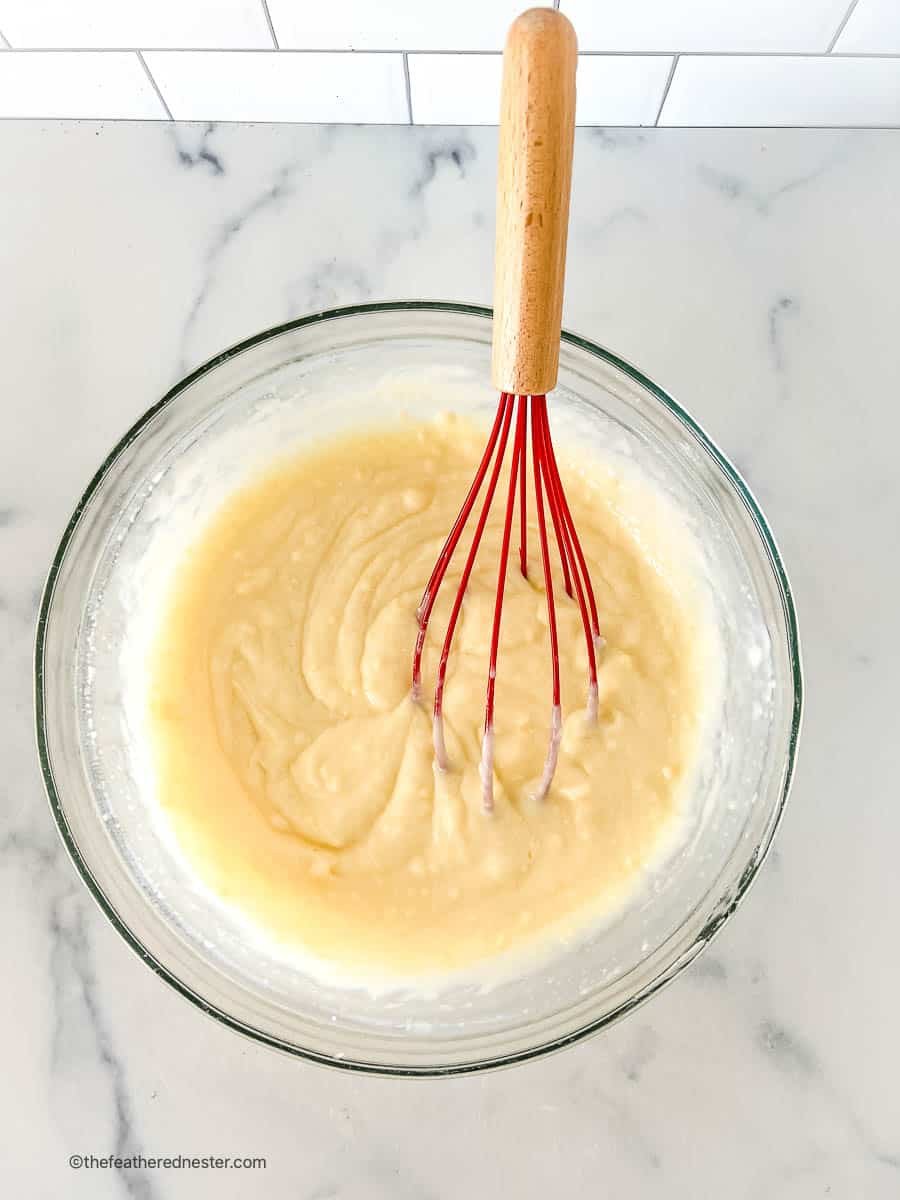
408,86
154,84
4,41
268,16
854,127
286,50
665,94
840,29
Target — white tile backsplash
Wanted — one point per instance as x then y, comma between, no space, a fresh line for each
740,62
706,25
219,24
81,85
783,91
455,89
393,24
626,90
464,89
281,86
873,28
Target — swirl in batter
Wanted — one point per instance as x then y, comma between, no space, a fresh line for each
296,770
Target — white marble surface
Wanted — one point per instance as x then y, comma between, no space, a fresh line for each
756,277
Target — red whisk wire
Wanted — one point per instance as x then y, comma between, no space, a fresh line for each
523,510
505,411
426,604
570,525
548,486
487,749
538,454
558,527
557,500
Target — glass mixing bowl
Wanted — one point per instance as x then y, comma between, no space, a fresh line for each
150,499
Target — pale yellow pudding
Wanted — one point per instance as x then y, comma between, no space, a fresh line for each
297,772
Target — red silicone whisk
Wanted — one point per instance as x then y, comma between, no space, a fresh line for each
537,127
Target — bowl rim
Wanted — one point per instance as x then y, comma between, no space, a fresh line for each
668,973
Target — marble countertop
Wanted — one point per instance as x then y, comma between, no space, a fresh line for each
754,275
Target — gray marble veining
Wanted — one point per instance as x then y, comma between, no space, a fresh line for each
754,276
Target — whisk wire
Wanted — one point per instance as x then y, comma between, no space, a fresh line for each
505,408
486,770
539,466
523,505
426,604
584,592
548,486
570,524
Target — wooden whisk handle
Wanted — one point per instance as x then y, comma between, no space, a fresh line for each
537,132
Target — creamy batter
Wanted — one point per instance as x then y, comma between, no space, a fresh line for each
298,773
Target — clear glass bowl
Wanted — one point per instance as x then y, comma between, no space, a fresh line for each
152,496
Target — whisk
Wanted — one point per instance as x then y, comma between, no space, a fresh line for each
537,127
